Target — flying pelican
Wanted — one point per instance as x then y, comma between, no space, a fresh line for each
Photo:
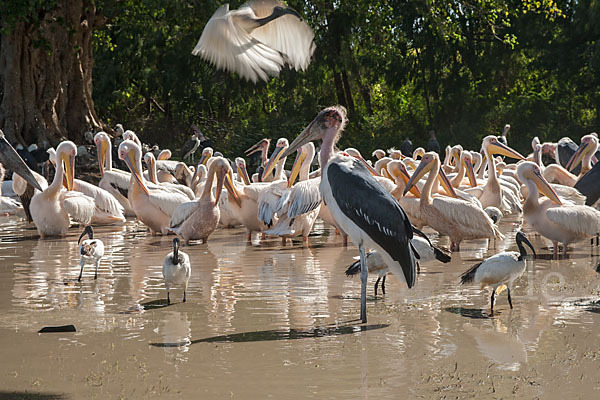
459,219
91,250
256,40
107,209
375,262
152,205
361,207
197,219
176,270
300,224
551,218
500,270
51,209
114,181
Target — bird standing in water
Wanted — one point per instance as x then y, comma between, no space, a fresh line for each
176,270
91,250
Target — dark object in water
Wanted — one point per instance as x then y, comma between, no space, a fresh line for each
598,268
56,329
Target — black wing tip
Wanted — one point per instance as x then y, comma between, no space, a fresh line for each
353,269
469,275
441,255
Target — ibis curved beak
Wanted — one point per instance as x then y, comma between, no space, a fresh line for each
221,175
446,184
277,153
522,238
424,167
233,194
545,188
470,173
296,167
499,148
129,160
11,160
577,157
242,172
101,149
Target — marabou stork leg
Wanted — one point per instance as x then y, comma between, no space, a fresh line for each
364,274
492,307
509,299
377,284
383,284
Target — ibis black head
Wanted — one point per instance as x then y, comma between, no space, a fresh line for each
520,239
87,231
176,251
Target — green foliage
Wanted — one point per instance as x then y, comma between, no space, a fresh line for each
460,68
27,11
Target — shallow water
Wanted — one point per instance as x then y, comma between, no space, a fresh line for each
281,322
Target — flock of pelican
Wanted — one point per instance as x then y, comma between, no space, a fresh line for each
381,205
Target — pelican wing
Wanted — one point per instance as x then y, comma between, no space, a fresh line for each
267,203
169,166
183,212
579,219
288,34
226,43
79,206
102,198
305,197
470,218
116,180
167,202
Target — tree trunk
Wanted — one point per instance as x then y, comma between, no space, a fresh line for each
339,89
46,70
348,91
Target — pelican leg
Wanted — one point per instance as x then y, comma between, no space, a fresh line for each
383,284
377,284
345,241
81,272
364,274
564,250
249,238
555,251
509,299
492,307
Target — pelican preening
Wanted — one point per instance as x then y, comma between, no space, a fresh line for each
500,270
176,270
90,249
256,40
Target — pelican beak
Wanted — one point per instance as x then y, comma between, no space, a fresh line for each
69,170
221,175
11,160
545,188
205,157
232,190
470,173
537,155
499,148
129,160
406,177
445,182
241,170
257,147
366,164
277,153
577,157
101,149
296,167
424,167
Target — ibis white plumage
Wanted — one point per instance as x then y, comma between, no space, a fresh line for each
176,270
90,249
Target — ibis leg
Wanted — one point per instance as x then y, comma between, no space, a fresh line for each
168,297
383,284
364,274
509,299
97,265
492,307
377,284
80,272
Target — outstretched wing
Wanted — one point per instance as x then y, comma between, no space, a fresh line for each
305,197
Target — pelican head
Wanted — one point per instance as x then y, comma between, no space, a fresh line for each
131,153
207,153
221,167
419,152
589,145
398,170
466,159
164,154
240,165
11,159
548,148
119,130
151,165
455,153
379,154
429,161
492,146
528,171
304,152
534,142
280,148
396,154
262,145
330,120
102,142
381,167
66,153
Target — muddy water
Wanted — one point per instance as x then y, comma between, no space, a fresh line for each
266,321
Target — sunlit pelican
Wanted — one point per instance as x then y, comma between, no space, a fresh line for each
456,218
361,207
263,147
465,167
418,153
90,249
25,191
164,155
410,204
51,209
500,270
152,205
292,222
176,270
554,220
452,158
276,162
171,187
197,219
584,154
8,205
107,209
379,154
114,181
131,135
